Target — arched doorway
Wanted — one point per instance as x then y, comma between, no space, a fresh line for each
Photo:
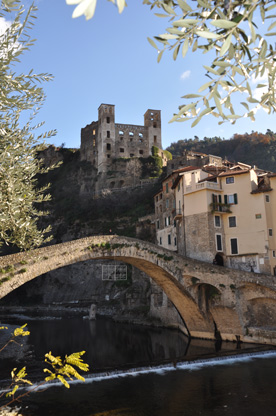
219,259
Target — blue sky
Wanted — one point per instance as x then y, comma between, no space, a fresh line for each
109,60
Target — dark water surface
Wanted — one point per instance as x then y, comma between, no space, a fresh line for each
143,371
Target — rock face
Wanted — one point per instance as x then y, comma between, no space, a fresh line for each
73,289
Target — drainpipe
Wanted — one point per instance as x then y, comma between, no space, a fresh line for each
183,216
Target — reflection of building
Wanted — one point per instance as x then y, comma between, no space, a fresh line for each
227,214
104,140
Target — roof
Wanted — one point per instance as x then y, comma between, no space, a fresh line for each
233,172
182,170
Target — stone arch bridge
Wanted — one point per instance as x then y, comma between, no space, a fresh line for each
214,302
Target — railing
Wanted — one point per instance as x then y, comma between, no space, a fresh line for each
203,185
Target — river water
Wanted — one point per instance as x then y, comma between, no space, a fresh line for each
144,371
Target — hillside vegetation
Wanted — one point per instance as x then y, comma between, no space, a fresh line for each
252,148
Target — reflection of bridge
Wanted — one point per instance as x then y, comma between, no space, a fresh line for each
213,301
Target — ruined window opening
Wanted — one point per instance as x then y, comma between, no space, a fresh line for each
108,146
121,133
122,150
121,138
94,142
140,134
108,120
130,134
155,139
132,155
167,203
154,125
121,183
108,156
141,152
112,184
234,245
232,222
108,134
94,132
141,140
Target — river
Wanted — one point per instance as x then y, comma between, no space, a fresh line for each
144,371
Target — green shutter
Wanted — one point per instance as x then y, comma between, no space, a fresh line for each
225,199
235,198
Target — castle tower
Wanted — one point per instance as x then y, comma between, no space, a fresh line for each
152,121
106,136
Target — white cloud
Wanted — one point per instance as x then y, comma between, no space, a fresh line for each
185,74
4,24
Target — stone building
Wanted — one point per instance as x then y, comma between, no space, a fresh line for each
103,140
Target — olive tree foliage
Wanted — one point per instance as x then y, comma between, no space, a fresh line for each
21,95
239,52
87,7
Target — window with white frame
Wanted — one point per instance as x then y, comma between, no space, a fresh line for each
217,221
230,179
219,242
234,245
232,222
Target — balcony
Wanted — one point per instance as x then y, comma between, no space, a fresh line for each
214,186
177,214
221,208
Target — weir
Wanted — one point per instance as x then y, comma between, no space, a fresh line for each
213,301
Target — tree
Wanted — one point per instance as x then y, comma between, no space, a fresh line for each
20,98
238,51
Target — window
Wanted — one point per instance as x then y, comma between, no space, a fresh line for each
230,180
274,253
108,156
155,139
94,132
167,203
121,133
166,221
154,125
141,135
258,216
231,199
169,220
130,134
167,188
122,150
94,143
169,240
219,242
232,222
234,245
131,155
160,241
157,224
217,221
141,152
108,146
108,134
267,198
175,241
270,232
156,199
108,120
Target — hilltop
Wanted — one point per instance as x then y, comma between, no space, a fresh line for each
252,148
